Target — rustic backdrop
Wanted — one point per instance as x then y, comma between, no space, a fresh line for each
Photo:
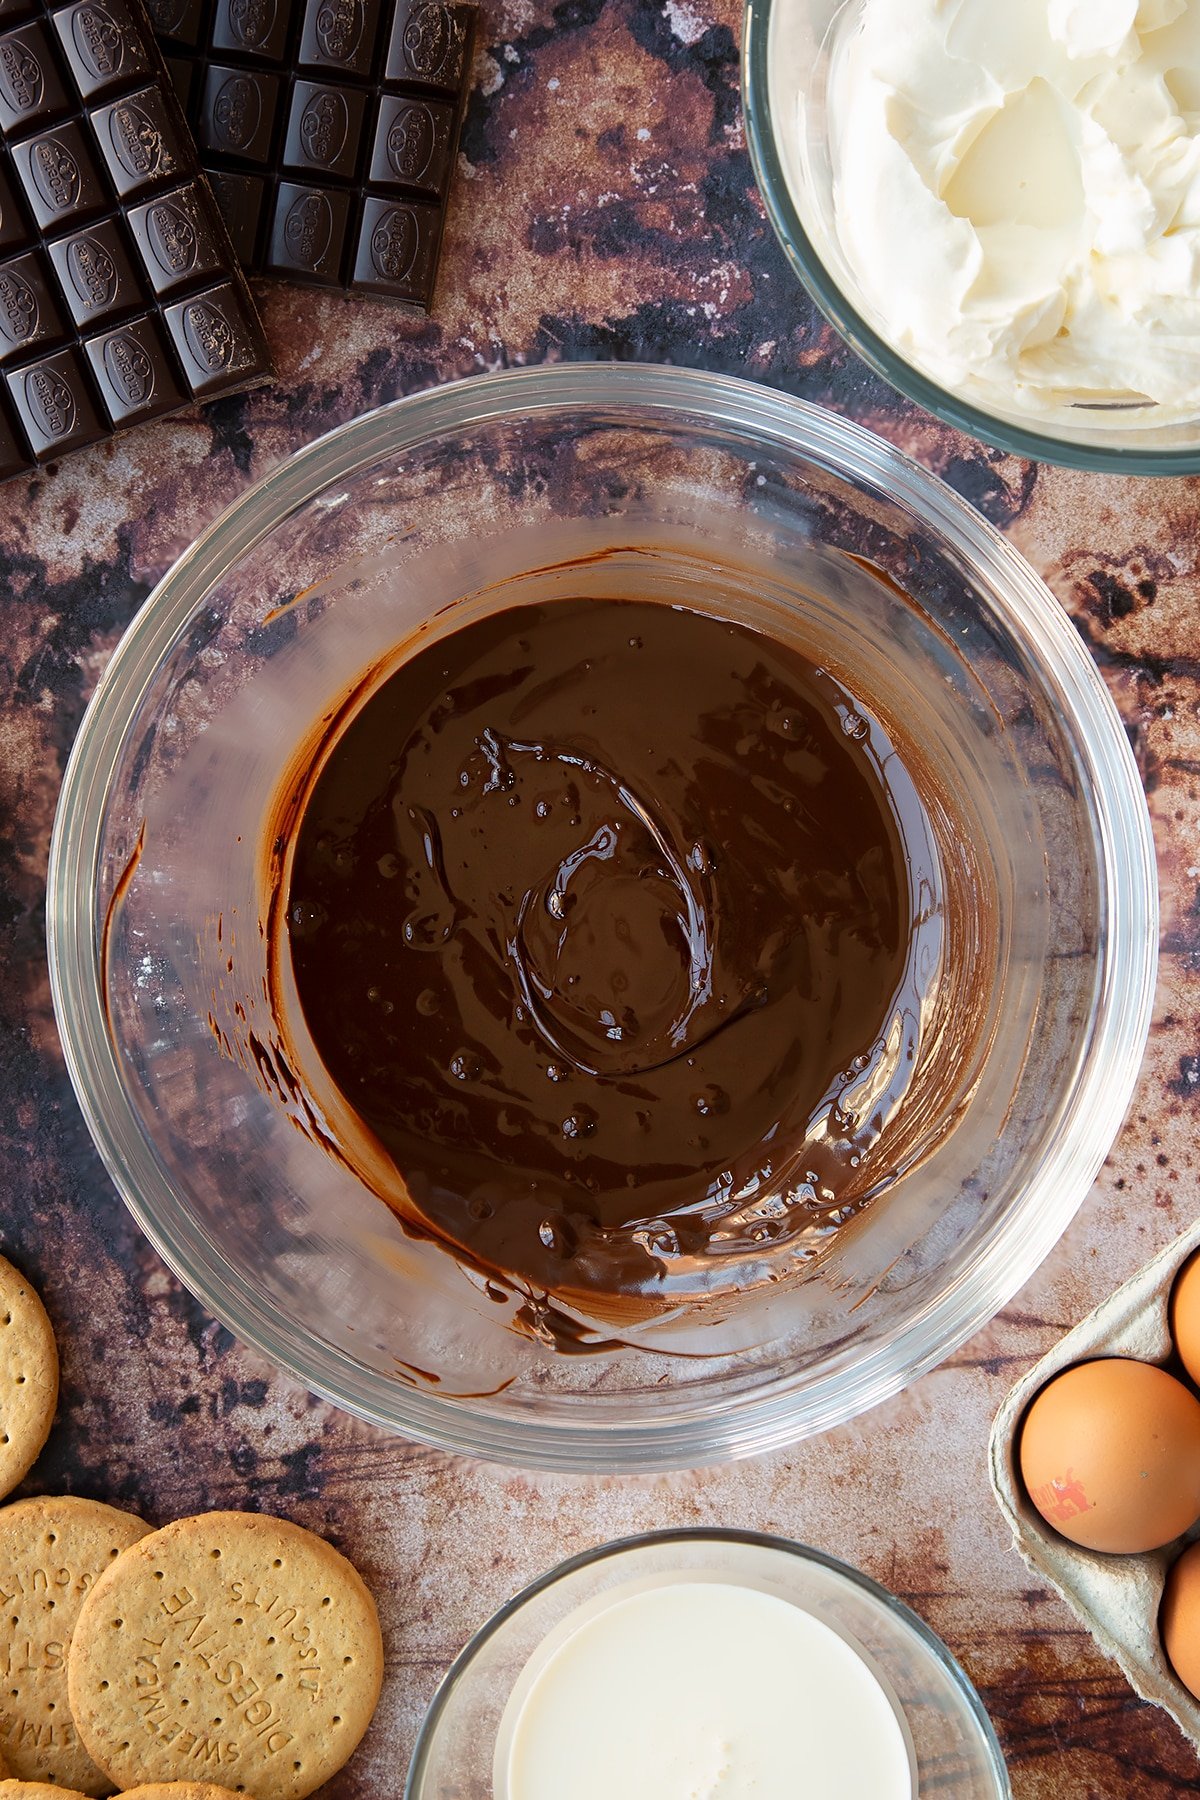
605,208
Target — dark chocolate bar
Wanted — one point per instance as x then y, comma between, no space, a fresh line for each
329,130
120,294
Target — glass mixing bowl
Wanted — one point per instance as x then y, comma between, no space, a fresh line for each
785,88
951,1741
682,485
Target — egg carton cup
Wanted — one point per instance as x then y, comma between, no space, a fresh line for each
1116,1597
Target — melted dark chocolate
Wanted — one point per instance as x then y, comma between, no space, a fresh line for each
600,921
598,915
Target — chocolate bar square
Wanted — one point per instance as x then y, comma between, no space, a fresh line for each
31,88
96,275
309,233
59,176
135,372
428,47
340,35
104,47
29,313
251,27
179,241
180,20
414,142
142,142
215,337
397,249
325,129
54,403
238,118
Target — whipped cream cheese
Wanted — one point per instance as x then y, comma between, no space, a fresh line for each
1017,192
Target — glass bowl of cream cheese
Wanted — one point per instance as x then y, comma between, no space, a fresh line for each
998,207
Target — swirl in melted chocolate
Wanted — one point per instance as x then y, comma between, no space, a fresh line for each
602,921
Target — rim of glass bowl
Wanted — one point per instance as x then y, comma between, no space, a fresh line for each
807,263
686,1430
760,1540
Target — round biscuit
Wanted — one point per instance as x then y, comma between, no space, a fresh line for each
232,1646
28,1377
37,1790
51,1552
180,1790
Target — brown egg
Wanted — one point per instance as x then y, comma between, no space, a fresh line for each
1179,1619
1110,1455
1185,1316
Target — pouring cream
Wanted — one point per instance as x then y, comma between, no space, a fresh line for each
700,1690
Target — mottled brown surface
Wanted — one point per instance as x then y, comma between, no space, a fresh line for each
607,209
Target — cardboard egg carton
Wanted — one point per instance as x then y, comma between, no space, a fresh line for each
1117,1597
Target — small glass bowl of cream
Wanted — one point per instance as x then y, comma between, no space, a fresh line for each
705,1662
998,208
